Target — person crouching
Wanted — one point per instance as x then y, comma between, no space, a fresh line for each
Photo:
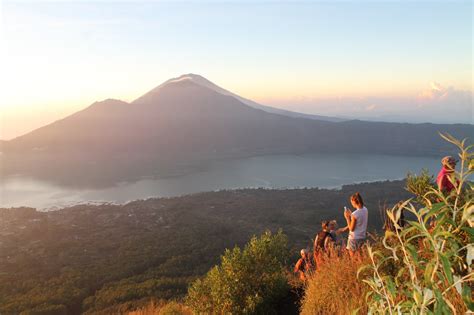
304,265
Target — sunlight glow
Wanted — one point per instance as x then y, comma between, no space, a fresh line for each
59,57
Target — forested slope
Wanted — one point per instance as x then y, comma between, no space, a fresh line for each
89,258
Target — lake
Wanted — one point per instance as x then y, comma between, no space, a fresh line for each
276,171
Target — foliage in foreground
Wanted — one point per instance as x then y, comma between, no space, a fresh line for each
424,267
334,288
247,281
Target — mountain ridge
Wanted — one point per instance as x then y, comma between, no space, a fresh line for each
180,125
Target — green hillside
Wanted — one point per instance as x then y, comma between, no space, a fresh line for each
90,258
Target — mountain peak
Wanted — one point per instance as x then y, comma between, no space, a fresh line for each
191,77
183,80
196,80
111,101
106,104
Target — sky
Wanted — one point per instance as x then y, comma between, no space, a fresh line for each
379,60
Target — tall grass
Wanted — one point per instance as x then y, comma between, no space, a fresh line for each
334,288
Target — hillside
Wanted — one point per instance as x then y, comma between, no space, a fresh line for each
181,125
88,258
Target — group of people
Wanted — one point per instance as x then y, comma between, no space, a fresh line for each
328,241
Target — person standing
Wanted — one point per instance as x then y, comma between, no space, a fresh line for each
322,243
356,223
445,180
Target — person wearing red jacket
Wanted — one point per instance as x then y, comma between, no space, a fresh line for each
445,180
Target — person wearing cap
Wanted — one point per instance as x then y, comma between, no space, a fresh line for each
304,265
445,179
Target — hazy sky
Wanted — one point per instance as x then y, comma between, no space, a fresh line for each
399,60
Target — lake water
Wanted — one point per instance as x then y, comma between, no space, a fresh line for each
279,171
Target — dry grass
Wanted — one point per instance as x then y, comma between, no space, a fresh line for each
163,308
334,288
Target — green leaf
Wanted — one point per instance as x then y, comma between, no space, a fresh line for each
440,306
427,274
451,222
416,225
413,252
435,209
406,231
414,237
417,297
391,286
467,296
447,268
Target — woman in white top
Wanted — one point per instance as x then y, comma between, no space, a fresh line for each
356,223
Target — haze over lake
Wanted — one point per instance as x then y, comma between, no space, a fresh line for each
272,171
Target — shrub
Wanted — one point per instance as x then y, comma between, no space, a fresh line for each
421,185
334,288
432,272
246,281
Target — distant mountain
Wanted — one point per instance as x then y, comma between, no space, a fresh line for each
409,119
182,124
200,80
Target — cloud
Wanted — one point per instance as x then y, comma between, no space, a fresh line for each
435,86
371,107
437,104
440,92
